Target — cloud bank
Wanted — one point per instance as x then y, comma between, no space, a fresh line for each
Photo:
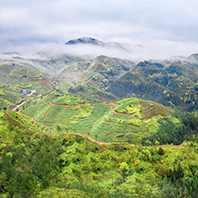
162,28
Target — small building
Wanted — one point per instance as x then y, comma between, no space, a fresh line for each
27,92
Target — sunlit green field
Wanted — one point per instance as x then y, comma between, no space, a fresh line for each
127,120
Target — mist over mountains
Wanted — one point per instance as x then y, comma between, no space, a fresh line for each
134,50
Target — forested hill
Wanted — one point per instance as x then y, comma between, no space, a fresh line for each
172,83
43,165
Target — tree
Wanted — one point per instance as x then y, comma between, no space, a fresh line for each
160,151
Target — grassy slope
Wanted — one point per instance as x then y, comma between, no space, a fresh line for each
25,76
128,122
9,96
113,122
91,92
104,70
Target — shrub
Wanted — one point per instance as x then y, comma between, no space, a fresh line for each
160,151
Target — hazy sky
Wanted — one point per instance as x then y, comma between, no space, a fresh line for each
27,25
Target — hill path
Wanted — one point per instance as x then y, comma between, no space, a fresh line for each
113,103
92,140
11,119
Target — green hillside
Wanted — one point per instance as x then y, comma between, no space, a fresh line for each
25,76
43,165
91,92
104,70
9,96
130,120
171,83
26,122
96,73
71,75
124,120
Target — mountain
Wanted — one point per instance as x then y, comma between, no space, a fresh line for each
94,74
85,40
193,57
102,71
174,83
12,53
96,42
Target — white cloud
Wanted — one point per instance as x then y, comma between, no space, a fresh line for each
42,23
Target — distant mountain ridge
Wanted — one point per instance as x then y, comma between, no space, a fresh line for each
171,84
96,42
85,40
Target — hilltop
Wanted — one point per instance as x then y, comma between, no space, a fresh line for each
95,42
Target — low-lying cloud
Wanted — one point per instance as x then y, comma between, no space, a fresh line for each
135,50
150,29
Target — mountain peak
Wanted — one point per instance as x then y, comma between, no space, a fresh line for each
85,40
193,57
96,42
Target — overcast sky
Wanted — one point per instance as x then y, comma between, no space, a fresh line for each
27,25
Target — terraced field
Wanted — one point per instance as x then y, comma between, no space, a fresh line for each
68,100
150,109
126,120
9,96
26,122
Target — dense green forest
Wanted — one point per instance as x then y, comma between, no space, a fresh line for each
171,83
33,164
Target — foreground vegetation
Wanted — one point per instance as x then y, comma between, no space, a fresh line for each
41,165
